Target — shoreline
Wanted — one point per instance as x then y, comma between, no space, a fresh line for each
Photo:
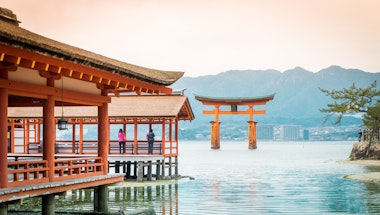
366,177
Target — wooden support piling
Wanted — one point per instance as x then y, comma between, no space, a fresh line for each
140,169
117,166
149,175
170,166
101,199
158,172
3,208
48,205
135,169
128,170
163,168
176,165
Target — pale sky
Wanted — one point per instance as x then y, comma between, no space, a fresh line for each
201,37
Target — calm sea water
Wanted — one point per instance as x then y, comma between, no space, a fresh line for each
277,178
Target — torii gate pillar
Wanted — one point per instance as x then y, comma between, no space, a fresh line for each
215,135
252,143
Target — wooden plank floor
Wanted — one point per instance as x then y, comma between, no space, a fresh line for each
20,192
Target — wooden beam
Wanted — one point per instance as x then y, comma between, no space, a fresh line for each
232,113
227,103
38,91
9,67
46,74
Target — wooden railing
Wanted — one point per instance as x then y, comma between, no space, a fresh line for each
114,147
91,147
142,147
34,147
76,167
170,149
27,172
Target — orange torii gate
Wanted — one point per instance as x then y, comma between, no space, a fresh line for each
234,102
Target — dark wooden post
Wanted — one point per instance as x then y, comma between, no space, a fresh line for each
140,169
158,171
3,208
101,199
176,165
48,206
149,175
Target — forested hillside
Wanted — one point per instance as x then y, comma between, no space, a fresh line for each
297,96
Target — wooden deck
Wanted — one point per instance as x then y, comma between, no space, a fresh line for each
20,192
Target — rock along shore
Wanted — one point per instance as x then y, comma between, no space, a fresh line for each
365,154
365,150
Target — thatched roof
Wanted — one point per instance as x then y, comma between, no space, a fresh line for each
13,35
166,106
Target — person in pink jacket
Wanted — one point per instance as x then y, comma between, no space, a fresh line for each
122,139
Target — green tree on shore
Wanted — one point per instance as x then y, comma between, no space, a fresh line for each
372,117
372,120
357,100
352,100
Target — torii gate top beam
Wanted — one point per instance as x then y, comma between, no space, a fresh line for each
234,102
261,100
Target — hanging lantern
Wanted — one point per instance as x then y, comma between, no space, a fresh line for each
62,124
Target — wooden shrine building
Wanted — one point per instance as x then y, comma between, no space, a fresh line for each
134,114
36,71
234,103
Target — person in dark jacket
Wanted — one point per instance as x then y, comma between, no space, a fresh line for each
150,138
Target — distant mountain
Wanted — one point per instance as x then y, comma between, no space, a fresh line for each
297,100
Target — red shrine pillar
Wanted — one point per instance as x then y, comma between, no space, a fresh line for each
103,133
215,135
100,192
3,132
49,135
252,144
49,131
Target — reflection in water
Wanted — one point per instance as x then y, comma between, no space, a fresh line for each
132,198
373,205
288,178
163,198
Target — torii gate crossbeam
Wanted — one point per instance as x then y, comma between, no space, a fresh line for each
234,102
